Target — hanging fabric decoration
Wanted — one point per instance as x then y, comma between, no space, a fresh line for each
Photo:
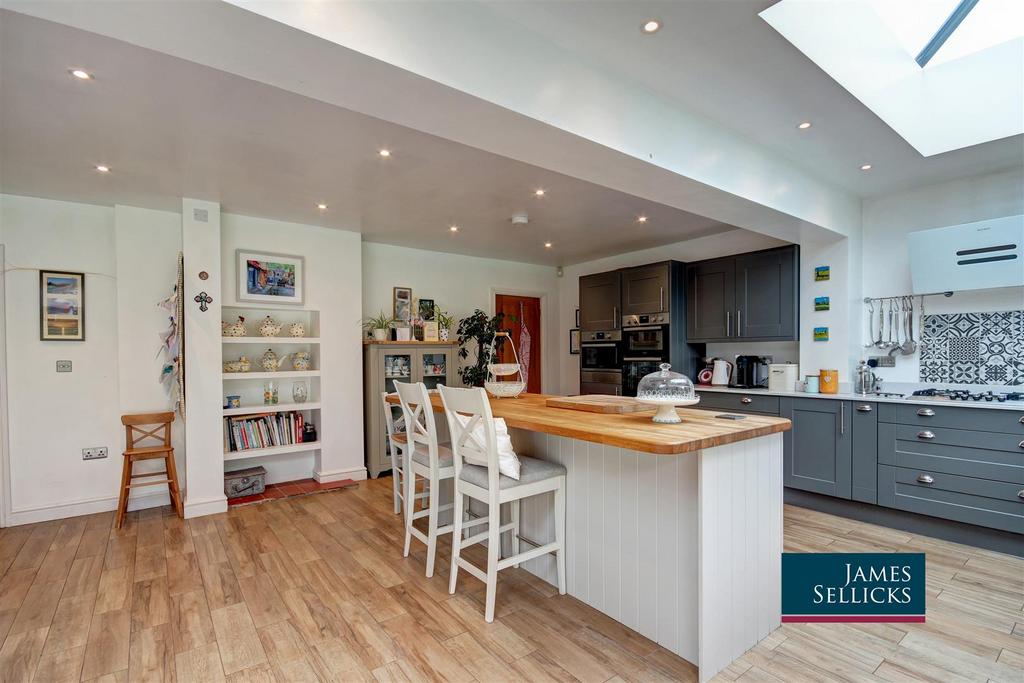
172,374
524,343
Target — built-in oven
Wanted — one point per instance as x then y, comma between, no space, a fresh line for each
601,351
645,346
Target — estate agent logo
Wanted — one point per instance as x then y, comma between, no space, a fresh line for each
853,587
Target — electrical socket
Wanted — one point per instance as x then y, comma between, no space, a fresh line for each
884,361
63,366
94,453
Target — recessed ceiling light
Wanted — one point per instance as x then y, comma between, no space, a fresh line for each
805,125
385,153
80,73
103,169
322,207
539,192
650,26
547,245
641,219
454,228
866,167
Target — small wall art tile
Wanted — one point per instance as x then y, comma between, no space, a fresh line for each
822,303
822,273
820,334
973,348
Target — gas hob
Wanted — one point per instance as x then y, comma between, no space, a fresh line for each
963,395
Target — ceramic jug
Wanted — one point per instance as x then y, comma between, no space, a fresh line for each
269,327
301,360
235,329
270,362
722,373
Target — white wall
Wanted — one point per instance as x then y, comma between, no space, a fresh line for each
723,244
461,284
886,267
334,287
53,416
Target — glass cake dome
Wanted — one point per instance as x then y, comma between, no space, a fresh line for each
667,390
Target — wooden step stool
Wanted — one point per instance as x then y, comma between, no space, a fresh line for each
138,428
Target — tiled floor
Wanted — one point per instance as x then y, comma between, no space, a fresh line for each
287,489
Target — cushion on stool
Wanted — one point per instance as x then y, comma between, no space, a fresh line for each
531,470
422,456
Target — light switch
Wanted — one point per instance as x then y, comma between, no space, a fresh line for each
63,366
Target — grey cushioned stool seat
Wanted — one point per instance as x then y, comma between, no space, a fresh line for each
530,470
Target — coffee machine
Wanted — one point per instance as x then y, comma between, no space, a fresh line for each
751,372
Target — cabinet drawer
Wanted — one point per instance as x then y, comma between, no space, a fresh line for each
995,441
986,488
900,446
955,417
739,403
998,513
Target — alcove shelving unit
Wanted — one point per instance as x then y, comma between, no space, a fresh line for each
249,386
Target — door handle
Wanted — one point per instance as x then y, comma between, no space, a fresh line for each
1020,494
728,333
925,479
661,299
739,327
842,417
615,317
925,435
746,399
928,412
864,408
1020,445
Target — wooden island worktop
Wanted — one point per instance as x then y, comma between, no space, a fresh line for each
700,429
673,530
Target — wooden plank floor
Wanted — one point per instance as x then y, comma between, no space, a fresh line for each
315,588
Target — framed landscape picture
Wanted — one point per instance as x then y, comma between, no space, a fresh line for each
61,306
270,278
402,306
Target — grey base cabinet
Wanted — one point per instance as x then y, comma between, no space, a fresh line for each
864,478
817,452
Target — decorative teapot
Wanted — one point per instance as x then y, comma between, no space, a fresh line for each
270,362
269,327
297,330
301,360
240,365
236,329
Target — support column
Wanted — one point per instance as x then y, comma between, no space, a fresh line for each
204,440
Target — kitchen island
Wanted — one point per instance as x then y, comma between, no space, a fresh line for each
673,530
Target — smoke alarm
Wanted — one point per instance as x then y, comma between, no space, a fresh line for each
520,219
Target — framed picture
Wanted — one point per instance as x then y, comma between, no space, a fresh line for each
430,331
270,278
822,273
426,309
402,303
61,306
574,341
822,303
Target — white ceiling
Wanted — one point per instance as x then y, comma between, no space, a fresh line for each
719,58
169,128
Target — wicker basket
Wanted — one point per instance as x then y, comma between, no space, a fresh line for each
504,389
495,370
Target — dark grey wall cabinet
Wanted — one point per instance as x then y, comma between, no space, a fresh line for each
646,289
710,299
766,294
864,416
746,297
600,296
817,451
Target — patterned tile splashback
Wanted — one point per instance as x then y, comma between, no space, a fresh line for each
973,348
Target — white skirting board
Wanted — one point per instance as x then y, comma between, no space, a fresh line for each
684,549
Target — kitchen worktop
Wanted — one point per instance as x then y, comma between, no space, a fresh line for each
634,431
849,396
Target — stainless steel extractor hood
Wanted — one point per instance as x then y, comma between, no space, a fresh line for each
978,255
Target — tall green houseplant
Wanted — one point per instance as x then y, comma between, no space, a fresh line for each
477,331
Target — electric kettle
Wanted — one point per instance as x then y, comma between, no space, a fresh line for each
721,373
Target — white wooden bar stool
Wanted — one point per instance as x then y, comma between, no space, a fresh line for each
397,447
426,458
489,486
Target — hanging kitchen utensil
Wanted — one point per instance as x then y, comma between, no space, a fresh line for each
881,324
871,324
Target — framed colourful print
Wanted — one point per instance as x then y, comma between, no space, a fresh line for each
61,306
270,278
402,303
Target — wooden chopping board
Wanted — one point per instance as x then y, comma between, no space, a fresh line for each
597,403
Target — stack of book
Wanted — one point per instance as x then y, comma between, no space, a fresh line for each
263,430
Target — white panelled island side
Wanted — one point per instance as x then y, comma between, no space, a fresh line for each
673,530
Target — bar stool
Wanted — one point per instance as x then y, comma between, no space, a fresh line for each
489,486
425,458
396,446
139,428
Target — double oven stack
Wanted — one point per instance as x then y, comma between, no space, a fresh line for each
645,346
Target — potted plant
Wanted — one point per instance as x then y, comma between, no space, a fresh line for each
378,325
478,330
445,321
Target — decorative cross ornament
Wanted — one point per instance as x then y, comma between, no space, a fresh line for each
202,298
